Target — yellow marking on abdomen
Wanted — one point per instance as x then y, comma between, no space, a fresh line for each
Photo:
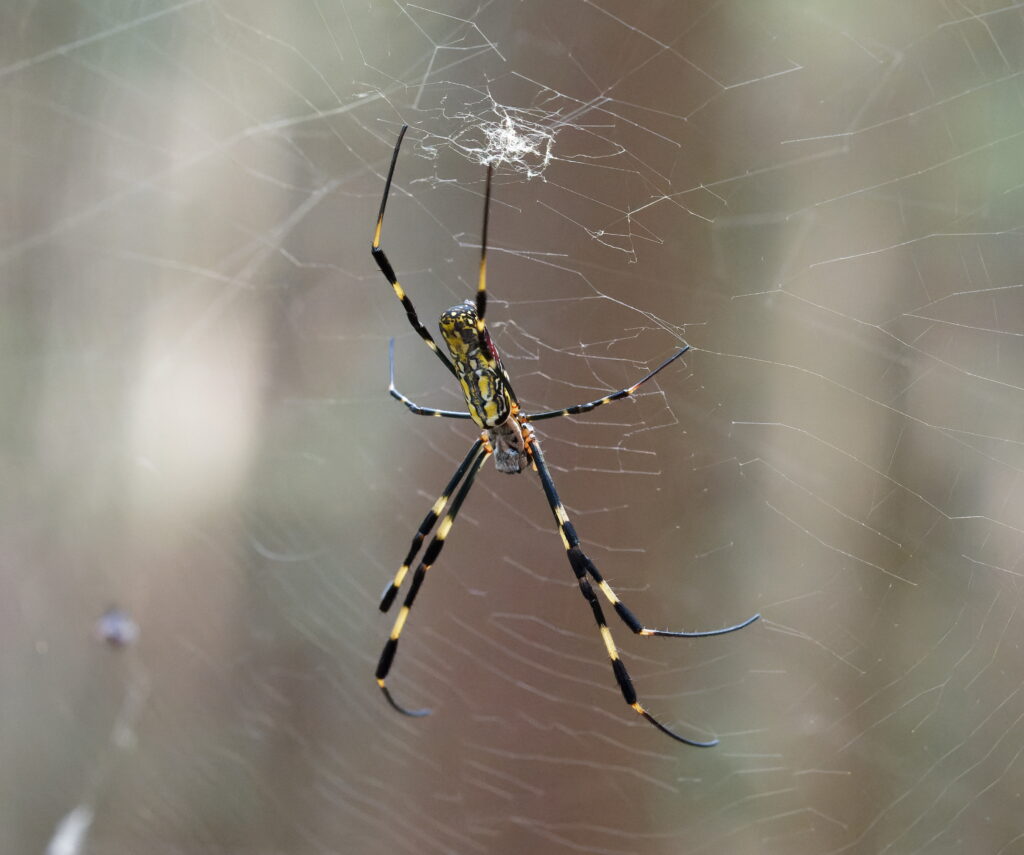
444,528
376,234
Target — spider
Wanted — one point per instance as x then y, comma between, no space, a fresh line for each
506,433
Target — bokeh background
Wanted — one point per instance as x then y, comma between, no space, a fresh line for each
823,199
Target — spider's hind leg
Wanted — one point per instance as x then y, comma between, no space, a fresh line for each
379,256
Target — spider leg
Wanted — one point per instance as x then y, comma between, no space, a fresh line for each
579,566
388,271
481,288
428,523
476,459
607,399
630,620
416,408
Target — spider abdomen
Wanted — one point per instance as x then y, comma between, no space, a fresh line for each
484,394
478,367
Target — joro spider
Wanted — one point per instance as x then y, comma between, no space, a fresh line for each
506,433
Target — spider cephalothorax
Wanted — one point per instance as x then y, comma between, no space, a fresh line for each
508,435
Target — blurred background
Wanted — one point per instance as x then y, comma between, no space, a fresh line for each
823,199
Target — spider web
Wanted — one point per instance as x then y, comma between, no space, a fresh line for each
822,199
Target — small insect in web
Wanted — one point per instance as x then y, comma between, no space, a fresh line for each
506,433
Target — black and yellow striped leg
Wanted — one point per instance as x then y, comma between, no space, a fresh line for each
579,563
426,526
628,618
412,405
388,271
607,399
579,559
481,287
387,656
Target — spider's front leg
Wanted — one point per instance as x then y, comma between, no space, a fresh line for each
583,567
471,467
577,557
